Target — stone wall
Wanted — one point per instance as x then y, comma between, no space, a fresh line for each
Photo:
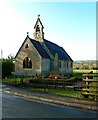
65,67
45,66
33,54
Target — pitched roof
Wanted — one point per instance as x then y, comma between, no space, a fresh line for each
54,48
39,48
37,22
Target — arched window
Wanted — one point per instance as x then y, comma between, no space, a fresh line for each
27,63
26,46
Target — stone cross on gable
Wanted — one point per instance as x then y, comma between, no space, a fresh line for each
28,34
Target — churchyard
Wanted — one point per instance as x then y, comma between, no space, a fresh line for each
67,85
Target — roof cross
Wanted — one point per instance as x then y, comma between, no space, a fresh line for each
27,33
38,15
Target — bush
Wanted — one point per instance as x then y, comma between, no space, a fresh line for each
95,68
72,79
7,67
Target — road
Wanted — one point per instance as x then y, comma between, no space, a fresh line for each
18,107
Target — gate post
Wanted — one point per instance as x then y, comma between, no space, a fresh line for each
87,83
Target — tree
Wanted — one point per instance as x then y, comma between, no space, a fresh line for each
7,67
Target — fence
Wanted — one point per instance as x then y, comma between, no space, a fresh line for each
46,83
90,88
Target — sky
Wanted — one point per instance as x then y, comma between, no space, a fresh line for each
71,25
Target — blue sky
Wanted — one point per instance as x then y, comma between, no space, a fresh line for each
72,25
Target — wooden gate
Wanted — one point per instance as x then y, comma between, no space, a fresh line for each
90,88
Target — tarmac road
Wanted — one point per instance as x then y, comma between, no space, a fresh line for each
18,107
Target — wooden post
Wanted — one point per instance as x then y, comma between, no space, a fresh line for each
87,83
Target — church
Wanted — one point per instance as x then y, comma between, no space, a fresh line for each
39,56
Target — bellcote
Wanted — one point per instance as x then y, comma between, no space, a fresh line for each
38,30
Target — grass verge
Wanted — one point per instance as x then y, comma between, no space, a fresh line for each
61,92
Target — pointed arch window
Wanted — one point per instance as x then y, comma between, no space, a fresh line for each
27,46
27,63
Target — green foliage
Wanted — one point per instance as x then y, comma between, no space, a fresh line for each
72,79
7,67
85,71
69,93
95,68
61,92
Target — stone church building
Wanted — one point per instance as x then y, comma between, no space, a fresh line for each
39,56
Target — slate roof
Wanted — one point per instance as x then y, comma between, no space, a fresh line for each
54,48
39,48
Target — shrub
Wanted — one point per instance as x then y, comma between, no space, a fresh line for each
72,79
7,67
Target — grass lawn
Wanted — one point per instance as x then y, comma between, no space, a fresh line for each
79,73
13,80
84,71
62,92
71,93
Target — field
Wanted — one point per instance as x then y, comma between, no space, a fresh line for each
84,71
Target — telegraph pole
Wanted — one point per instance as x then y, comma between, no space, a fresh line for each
1,68
1,54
